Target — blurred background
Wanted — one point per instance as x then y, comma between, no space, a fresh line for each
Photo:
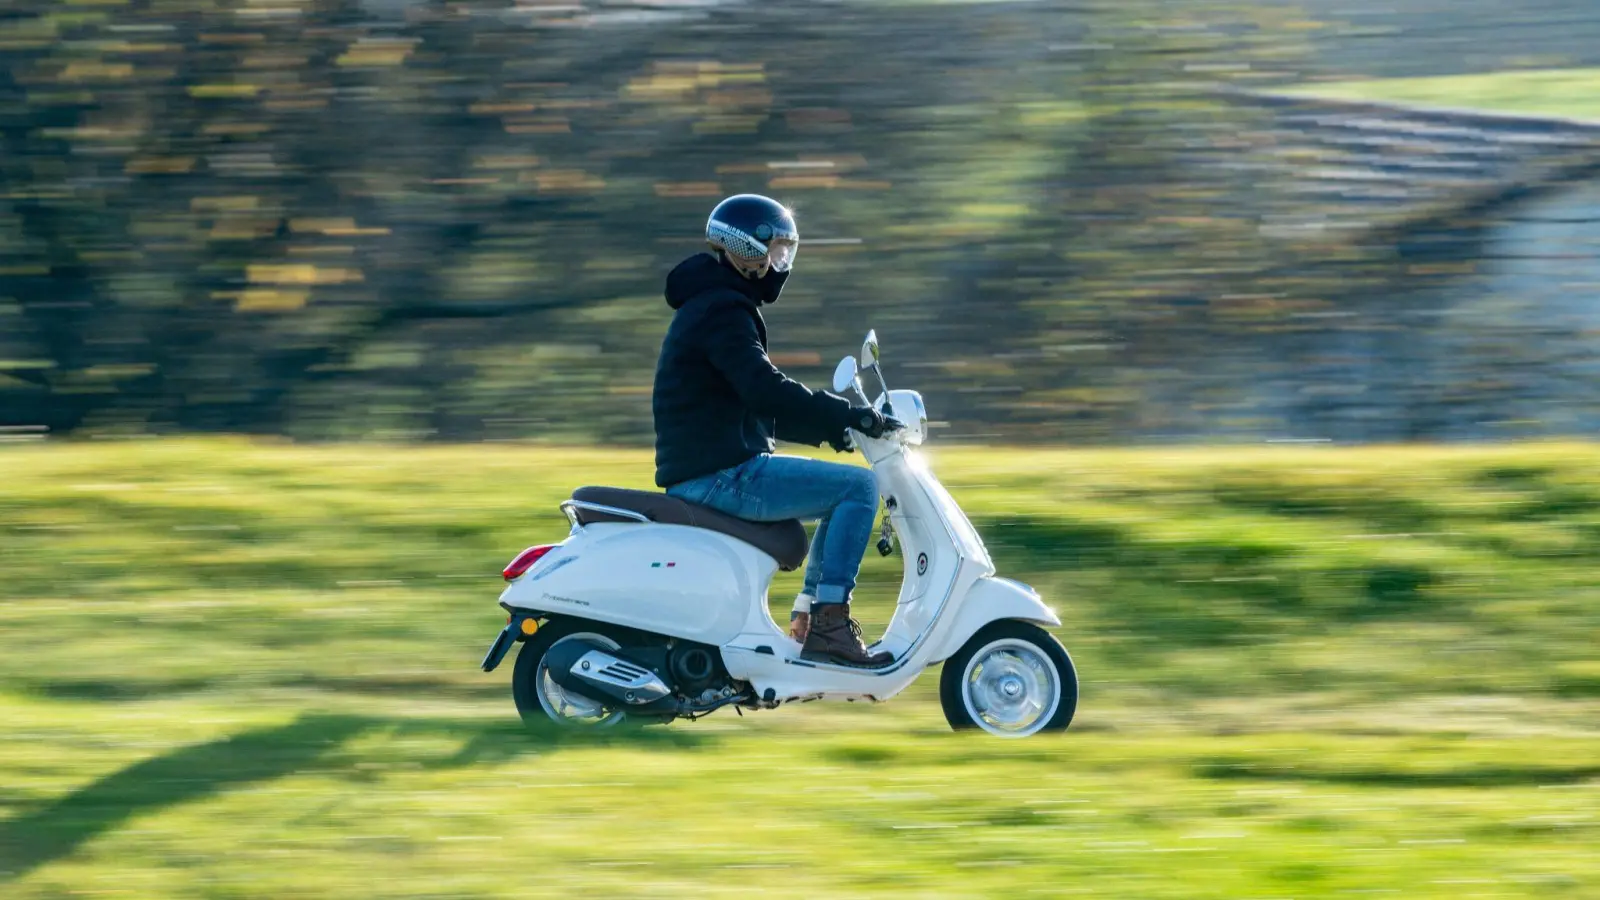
311,311
1120,222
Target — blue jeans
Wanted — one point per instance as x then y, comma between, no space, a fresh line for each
771,488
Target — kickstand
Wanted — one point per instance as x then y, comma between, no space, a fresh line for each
739,711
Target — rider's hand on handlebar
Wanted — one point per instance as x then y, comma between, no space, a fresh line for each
872,423
841,443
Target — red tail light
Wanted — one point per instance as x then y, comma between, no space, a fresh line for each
525,561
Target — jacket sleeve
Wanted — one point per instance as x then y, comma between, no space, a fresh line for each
734,349
800,431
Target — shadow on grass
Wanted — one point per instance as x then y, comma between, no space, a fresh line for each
1473,777
143,688
109,690
188,773
1033,543
38,837
1379,508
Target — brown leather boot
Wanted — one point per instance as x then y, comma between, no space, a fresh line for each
836,638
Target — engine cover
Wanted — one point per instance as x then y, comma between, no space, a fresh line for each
598,673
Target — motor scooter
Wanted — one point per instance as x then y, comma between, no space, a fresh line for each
654,609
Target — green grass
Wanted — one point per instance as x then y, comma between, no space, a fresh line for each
250,670
1570,93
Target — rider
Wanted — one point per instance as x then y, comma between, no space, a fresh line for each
719,402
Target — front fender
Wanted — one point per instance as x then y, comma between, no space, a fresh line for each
989,600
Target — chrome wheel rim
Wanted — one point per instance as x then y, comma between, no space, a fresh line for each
1011,688
569,708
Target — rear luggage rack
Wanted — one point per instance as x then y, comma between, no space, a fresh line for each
567,507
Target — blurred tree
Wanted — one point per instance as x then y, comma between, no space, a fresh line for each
451,219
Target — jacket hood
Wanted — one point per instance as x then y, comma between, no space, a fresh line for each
704,272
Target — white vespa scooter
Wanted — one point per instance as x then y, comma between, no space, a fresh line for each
654,609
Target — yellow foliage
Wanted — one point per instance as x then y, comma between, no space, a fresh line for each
566,180
242,229
729,125
557,125
269,300
159,165
333,227
319,226
375,53
225,204
301,273
128,370
94,70
357,232
662,87
223,91
507,162
500,109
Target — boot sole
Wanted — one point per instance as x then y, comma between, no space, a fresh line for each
832,660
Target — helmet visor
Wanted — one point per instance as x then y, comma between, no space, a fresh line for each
781,254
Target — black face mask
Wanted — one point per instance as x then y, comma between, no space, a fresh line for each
771,285
767,287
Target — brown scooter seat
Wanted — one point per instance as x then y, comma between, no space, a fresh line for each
784,541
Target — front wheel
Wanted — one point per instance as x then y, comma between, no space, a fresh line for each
1011,679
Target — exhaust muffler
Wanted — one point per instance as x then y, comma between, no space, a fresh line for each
598,674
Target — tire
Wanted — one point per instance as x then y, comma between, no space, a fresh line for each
534,706
1036,658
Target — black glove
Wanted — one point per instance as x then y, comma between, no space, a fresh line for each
841,443
870,422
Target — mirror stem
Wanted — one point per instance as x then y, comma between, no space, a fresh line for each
888,408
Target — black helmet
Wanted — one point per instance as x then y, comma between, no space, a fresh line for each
745,225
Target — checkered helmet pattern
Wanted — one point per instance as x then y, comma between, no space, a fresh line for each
744,225
734,241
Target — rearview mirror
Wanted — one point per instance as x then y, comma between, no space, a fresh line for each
869,351
844,375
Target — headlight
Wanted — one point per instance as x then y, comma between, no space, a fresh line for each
908,408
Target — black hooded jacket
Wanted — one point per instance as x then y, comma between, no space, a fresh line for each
718,399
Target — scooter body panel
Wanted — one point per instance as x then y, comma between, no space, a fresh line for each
990,599
674,580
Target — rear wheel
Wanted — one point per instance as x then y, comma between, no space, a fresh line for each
540,701
1011,679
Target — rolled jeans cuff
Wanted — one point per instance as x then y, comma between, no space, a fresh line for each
831,593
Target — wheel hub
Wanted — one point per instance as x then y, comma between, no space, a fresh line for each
1011,688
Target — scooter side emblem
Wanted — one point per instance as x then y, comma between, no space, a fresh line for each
922,563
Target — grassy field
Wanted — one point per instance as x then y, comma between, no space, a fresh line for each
248,670
1571,93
